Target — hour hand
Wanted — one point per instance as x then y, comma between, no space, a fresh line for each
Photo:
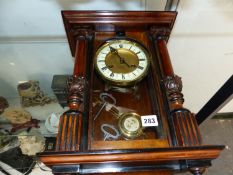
110,66
133,65
123,61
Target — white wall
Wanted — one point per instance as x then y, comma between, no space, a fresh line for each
201,49
33,43
42,18
32,61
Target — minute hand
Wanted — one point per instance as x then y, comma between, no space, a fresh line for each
123,61
113,50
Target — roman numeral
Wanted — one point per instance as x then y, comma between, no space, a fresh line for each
120,45
142,59
123,77
140,67
101,60
112,74
104,68
138,52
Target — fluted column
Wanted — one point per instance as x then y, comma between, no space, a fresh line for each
71,122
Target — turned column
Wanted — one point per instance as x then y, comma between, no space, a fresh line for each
183,124
71,122
182,120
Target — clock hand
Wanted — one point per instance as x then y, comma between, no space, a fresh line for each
123,61
113,50
133,65
110,66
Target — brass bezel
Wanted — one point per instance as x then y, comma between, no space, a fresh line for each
124,131
123,83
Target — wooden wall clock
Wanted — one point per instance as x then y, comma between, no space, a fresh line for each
126,107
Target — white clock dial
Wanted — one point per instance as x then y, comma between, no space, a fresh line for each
131,124
122,62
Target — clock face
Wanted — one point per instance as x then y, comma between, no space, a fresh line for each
122,62
130,125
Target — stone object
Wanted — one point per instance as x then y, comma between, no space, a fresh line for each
17,115
31,94
31,142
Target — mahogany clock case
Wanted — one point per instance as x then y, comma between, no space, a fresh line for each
173,145
148,98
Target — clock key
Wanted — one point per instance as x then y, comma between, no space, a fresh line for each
106,128
106,98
